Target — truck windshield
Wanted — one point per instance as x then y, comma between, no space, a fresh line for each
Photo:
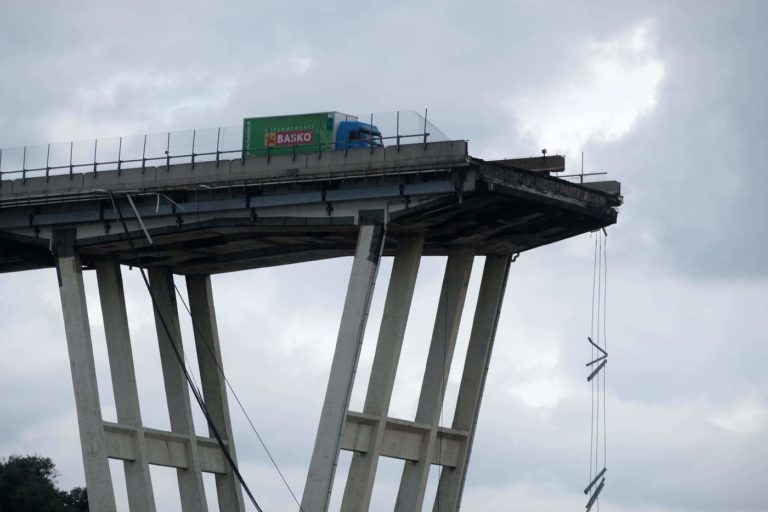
373,138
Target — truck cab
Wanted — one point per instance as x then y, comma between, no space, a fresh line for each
356,134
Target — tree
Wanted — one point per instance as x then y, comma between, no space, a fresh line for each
75,500
28,483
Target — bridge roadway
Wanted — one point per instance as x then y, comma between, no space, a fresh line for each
233,215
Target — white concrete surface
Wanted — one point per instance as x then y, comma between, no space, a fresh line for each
413,483
190,479
322,466
362,472
111,295
98,479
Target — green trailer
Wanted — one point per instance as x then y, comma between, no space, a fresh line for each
292,134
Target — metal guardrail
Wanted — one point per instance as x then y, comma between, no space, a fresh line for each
191,146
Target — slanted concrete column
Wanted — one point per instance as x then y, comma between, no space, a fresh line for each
410,496
137,476
177,393
212,380
362,472
98,479
481,339
322,466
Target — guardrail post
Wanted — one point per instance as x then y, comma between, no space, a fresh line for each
95,148
218,139
194,133
71,146
397,130
144,155
24,166
119,156
425,127
47,162
168,153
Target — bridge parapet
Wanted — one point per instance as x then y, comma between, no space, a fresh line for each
252,170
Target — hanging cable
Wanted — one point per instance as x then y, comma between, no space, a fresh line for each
195,391
598,362
237,399
207,345
605,345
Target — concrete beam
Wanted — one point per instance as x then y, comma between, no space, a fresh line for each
98,478
487,312
111,294
190,480
413,482
322,467
362,472
230,495
402,439
164,448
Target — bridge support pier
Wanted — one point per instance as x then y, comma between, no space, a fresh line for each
415,473
402,282
423,442
128,440
208,350
137,476
481,338
190,478
93,441
322,467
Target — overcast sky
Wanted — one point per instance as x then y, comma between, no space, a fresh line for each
667,97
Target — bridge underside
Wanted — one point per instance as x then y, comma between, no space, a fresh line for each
407,202
461,202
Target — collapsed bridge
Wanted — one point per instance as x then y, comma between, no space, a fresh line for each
202,218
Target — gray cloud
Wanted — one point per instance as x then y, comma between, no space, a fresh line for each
687,379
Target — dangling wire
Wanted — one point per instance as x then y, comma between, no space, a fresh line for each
237,398
599,358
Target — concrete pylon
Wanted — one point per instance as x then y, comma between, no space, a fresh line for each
98,479
481,339
190,478
228,489
413,482
322,467
402,282
137,475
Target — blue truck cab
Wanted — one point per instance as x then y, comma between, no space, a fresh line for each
356,134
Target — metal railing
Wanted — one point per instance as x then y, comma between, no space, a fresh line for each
190,146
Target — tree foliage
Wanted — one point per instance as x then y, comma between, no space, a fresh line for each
28,483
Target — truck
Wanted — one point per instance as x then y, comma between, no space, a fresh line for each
307,133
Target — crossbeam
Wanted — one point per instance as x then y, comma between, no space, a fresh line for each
403,439
163,448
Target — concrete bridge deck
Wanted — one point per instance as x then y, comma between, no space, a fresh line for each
239,214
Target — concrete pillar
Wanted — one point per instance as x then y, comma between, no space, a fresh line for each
481,339
322,466
362,472
98,479
177,393
137,476
410,496
212,380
